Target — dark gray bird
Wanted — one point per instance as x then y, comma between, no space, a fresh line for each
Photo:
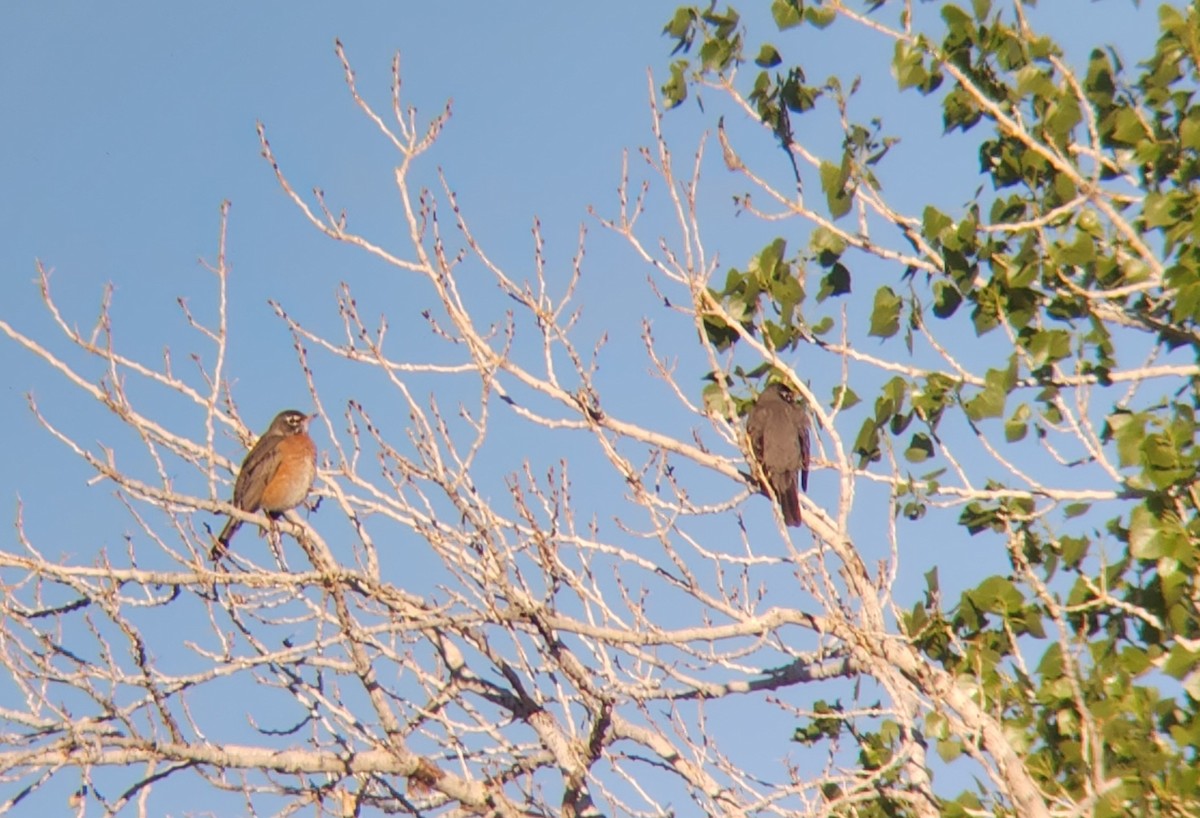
778,428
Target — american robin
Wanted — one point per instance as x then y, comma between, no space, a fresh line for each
778,430
276,475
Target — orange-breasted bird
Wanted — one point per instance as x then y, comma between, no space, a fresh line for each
276,475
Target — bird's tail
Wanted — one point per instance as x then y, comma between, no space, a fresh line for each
788,495
222,543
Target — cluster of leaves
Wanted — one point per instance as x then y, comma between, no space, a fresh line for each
1073,278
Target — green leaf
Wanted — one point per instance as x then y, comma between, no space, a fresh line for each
949,749
947,299
885,315
1099,85
1063,118
920,448
718,53
1189,131
820,16
675,90
1187,303
767,265
833,182
824,242
1180,661
843,398
890,399
1144,540
914,623
1191,683
1017,426
933,582
960,110
958,22
1051,665
931,398
720,334
1165,464
1134,661
1128,430
1160,210
1048,346
834,283
796,96
1081,251
782,336
986,315
989,403
997,595
933,222
680,25
1034,81
1074,549
787,13
908,67
717,402
767,57
1127,127
866,445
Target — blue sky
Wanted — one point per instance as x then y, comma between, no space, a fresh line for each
127,125
136,123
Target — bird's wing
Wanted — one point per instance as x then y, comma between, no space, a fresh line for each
257,470
755,428
805,445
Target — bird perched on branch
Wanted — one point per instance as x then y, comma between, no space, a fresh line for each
778,427
276,475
